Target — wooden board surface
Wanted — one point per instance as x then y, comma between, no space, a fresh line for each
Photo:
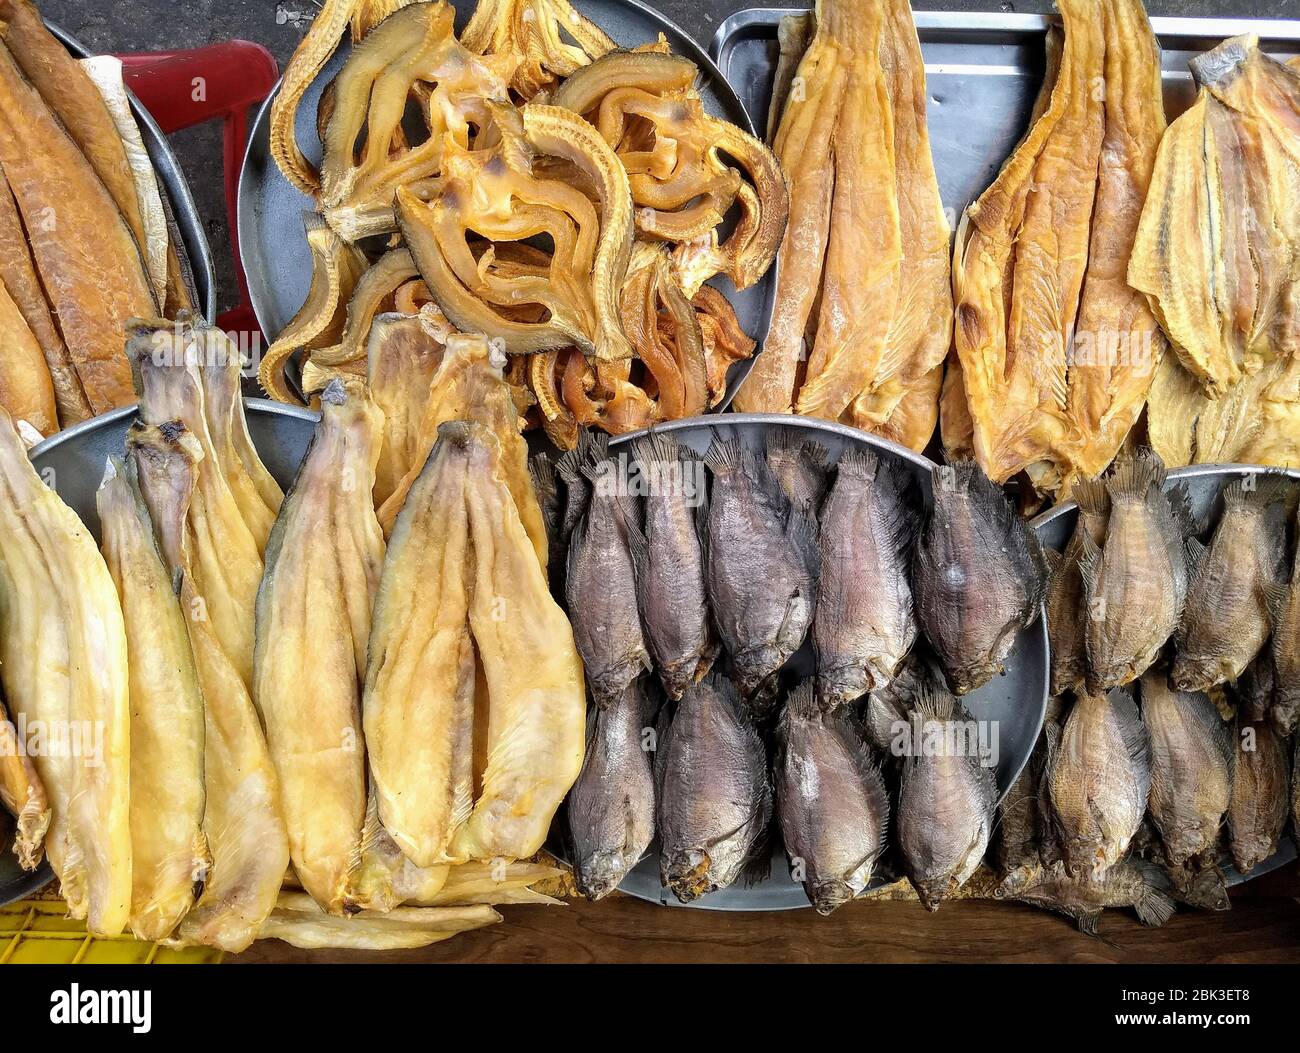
1262,927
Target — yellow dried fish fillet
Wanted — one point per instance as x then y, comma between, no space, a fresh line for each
168,849
313,626
85,253
478,882
18,275
418,706
537,705
385,878
242,820
793,33
23,795
1117,342
26,390
298,921
864,251
105,72
402,357
63,661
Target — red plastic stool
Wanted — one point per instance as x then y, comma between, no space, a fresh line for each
184,88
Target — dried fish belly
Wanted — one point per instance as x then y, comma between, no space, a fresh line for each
1233,587
761,566
167,791
536,703
419,688
1100,781
323,565
865,623
979,576
63,661
712,819
242,819
831,800
26,391
611,808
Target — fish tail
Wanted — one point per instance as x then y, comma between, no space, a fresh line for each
541,469
934,703
1090,496
959,477
859,463
1137,476
1257,490
657,447
725,455
801,703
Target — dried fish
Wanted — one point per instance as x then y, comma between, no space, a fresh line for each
979,576
861,635
761,566
945,801
23,795
1067,608
800,467
831,801
1261,784
1128,884
669,563
1100,781
1286,655
712,818
612,805
1135,585
26,390
1191,767
1234,587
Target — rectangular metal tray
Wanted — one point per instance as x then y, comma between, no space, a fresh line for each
983,72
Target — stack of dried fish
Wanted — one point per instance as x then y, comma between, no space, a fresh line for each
1054,351
1218,256
863,275
705,587
606,157
85,242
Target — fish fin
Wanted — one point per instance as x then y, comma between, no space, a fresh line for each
858,463
1089,566
1180,507
935,703
541,469
569,466
637,545
1091,497
1276,594
1260,490
1088,923
957,477
1154,908
1194,553
656,447
1133,733
726,455
815,454
1136,476
597,456
801,703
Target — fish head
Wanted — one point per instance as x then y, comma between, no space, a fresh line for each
828,896
1082,857
688,873
933,891
599,875
966,678
1249,852
1199,672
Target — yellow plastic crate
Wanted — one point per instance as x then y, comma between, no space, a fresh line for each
38,931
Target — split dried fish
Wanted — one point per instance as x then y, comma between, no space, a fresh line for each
831,801
403,353
1261,798
1067,607
1191,767
1234,587
26,391
601,580
167,793
323,564
861,635
1100,781
712,818
242,818
979,576
669,562
1135,584
761,565
299,921
1128,884
946,801
536,705
612,805
63,660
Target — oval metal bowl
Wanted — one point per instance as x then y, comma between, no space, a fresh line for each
273,247
1013,703
72,462
1204,483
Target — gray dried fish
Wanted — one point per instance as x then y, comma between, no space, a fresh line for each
1067,609
1128,884
600,585
945,801
547,486
1100,781
761,567
979,576
577,492
800,466
1286,653
865,623
830,799
612,805
669,563
1254,690
713,795
1191,767
1261,792
1234,588
1025,827
1136,584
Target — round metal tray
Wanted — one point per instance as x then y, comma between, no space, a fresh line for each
73,463
1204,483
273,247
1015,701
194,242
